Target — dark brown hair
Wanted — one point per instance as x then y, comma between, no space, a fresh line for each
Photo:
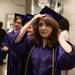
17,17
52,39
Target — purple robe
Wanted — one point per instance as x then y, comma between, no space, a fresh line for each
40,62
15,65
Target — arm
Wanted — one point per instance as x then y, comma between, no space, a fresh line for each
66,58
25,28
5,44
65,45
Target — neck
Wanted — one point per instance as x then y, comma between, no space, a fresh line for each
18,29
44,42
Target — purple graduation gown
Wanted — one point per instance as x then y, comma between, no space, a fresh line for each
40,62
15,64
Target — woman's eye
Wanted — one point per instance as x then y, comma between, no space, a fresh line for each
40,24
48,25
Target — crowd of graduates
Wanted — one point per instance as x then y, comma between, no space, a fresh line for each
36,45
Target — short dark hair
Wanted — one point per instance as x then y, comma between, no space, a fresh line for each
17,17
1,24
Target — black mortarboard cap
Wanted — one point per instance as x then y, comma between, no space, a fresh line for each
28,17
63,22
25,18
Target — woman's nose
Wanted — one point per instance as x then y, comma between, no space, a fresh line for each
44,27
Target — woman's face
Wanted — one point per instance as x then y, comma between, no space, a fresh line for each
44,30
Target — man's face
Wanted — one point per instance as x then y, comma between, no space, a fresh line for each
18,24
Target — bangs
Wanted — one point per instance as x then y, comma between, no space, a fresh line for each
50,22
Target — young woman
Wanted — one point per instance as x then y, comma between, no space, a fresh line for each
51,53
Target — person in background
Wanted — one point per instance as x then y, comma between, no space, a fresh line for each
2,33
15,65
2,36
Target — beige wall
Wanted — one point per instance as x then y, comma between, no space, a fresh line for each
8,6
69,13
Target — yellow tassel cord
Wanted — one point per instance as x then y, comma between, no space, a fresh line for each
28,59
52,61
